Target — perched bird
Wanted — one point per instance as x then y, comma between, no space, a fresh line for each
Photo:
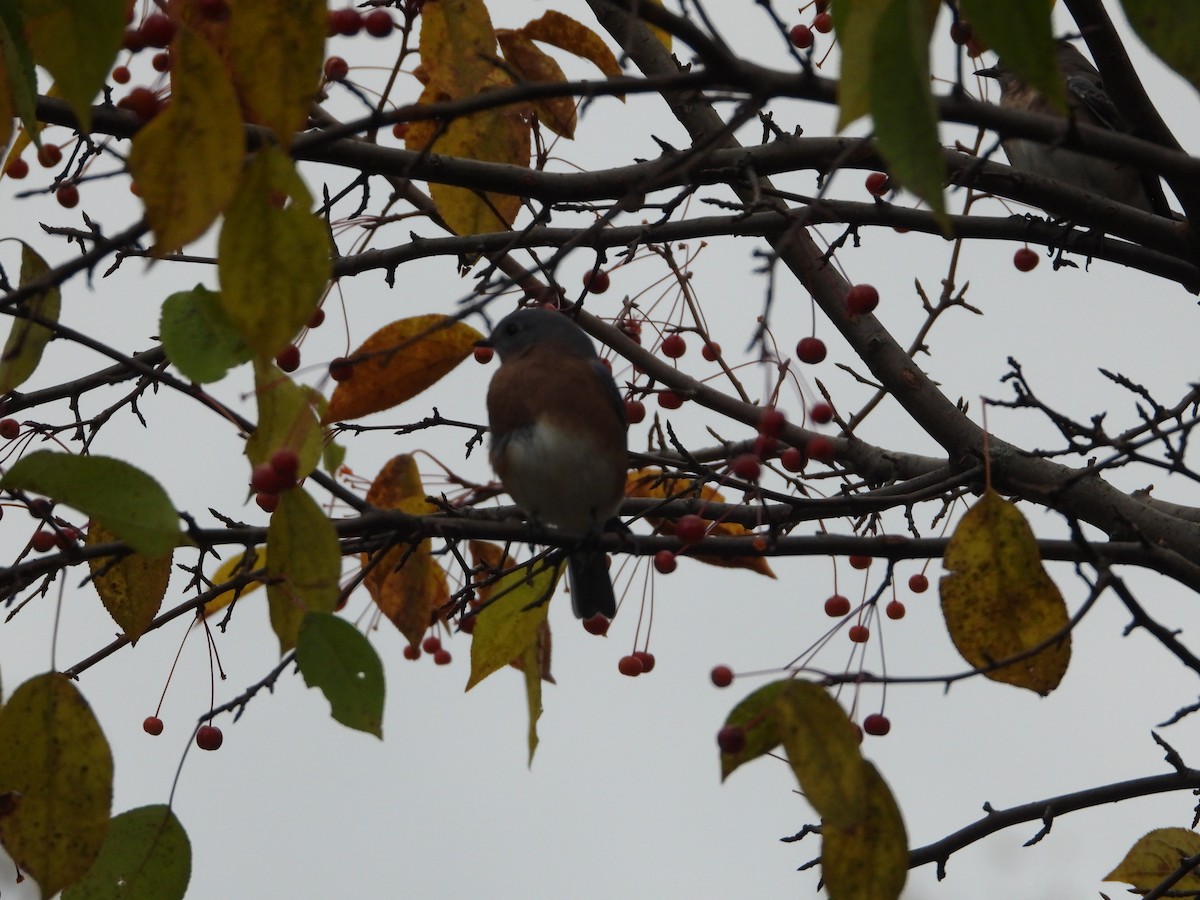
558,438
1088,104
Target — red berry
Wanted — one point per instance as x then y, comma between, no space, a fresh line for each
483,355
400,130
345,21
317,318
378,23
876,724
860,562
467,624
1025,260
674,346
152,725
597,625
412,652
157,30
669,400
266,479
67,196
711,351
9,428
862,299
820,448
793,459
665,562
821,413
747,467
629,665
690,529
801,36
811,350
635,411
341,369
895,610
597,281
764,447
772,422
161,61
288,358
647,660
859,633
441,657
49,156
44,541
133,40
286,462
837,606
209,737
960,31
731,739
336,68
66,538
918,583
877,184
267,502
121,75
823,22
722,676
17,168
431,644
142,102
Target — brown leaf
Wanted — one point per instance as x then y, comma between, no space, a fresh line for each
556,113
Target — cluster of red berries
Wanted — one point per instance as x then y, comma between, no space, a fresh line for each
433,646
270,479
802,36
639,662
348,22
62,538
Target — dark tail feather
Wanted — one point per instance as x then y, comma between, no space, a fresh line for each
591,588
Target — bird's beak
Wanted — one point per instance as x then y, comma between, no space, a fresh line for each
989,72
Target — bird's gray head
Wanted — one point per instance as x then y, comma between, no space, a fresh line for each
519,331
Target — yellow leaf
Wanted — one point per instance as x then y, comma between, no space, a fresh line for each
132,588
276,48
186,162
1156,855
999,602
407,584
56,769
399,361
557,113
458,45
232,566
504,629
654,484
867,860
562,31
533,693
273,254
304,562
287,417
27,340
664,37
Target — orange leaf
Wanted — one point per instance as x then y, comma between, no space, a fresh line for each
458,44
999,602
654,484
406,583
557,113
399,361
562,31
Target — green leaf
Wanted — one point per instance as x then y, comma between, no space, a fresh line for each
287,417
867,860
146,856
304,563
756,716
334,656
1169,28
998,601
184,190
18,68
276,48
75,41
57,768
198,337
132,588
332,457
122,497
505,630
27,339
273,254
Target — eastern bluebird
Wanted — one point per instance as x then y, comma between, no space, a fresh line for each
558,438
1088,103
